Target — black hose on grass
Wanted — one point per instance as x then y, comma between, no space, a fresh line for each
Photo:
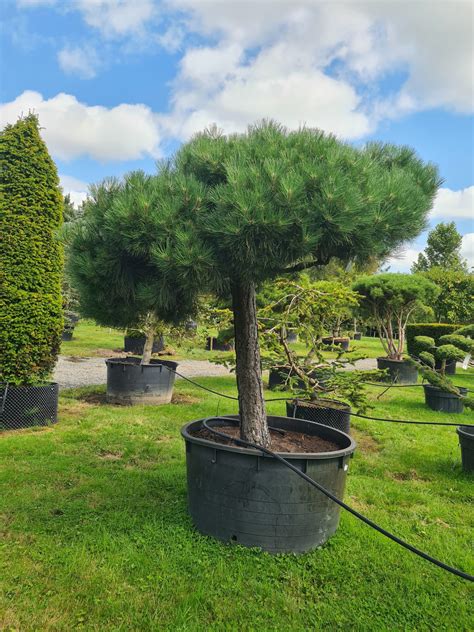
341,503
281,399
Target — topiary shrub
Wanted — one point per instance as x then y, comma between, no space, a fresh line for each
434,330
31,314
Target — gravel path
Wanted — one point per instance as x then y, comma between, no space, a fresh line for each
72,372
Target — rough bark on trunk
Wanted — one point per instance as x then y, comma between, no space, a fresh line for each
148,346
253,415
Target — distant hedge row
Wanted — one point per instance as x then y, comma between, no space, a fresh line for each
31,260
434,330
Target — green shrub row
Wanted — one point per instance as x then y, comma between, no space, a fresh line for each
433,330
31,317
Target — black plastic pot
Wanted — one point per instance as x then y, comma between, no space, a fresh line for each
450,367
129,382
217,345
66,336
444,402
400,371
466,441
292,336
136,345
357,335
25,406
237,495
323,412
339,342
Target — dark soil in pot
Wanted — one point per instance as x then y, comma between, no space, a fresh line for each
466,441
134,344
329,412
237,495
400,371
442,401
130,382
25,406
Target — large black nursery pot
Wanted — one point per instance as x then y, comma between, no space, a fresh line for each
25,406
400,371
442,401
135,344
339,342
357,335
238,495
214,344
466,441
450,368
130,382
329,412
66,336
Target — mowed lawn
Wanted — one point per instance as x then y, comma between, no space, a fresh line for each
95,533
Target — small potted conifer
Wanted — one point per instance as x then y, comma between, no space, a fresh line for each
440,393
389,299
112,262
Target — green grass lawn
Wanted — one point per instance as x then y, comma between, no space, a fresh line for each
91,340
95,533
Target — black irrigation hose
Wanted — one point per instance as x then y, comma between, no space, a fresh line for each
281,399
341,503
469,390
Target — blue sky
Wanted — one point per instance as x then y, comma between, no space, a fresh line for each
119,84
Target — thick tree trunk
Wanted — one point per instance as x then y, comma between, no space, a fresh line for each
148,347
253,415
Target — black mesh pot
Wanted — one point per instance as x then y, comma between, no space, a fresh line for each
129,382
466,441
238,495
400,371
450,367
137,345
25,406
214,344
322,411
443,401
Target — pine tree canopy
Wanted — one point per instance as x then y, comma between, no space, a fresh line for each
277,199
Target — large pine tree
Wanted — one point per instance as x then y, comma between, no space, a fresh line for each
31,258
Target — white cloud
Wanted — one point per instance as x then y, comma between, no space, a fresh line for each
81,61
72,129
467,249
454,204
403,261
75,188
116,17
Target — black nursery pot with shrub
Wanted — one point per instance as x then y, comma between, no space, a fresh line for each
131,382
443,401
136,344
238,495
399,371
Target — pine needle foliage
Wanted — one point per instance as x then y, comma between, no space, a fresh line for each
31,258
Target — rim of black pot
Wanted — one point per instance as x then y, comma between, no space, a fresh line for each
347,451
462,389
136,361
391,359
10,386
318,403
466,431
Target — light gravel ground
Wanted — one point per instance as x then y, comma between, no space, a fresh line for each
72,372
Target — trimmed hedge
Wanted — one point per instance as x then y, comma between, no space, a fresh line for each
31,260
433,330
